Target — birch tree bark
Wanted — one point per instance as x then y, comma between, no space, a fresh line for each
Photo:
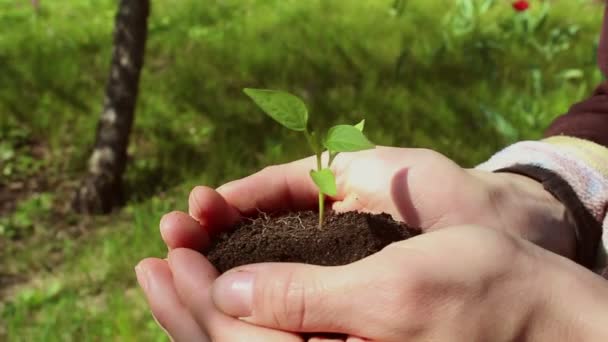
101,190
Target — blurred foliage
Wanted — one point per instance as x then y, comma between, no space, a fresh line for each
464,77
423,73
28,215
16,160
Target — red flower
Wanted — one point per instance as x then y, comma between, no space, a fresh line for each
521,5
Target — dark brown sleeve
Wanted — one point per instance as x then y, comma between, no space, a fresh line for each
586,120
589,119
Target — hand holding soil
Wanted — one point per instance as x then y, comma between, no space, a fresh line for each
419,187
421,289
463,283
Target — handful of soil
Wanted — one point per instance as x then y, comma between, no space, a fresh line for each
296,237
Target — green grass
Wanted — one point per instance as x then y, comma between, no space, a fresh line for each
91,294
436,74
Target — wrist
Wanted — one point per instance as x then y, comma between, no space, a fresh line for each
573,303
528,210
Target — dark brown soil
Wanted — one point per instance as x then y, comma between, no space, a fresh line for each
295,237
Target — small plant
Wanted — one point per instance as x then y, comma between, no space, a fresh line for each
291,112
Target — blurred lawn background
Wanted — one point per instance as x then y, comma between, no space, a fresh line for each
464,77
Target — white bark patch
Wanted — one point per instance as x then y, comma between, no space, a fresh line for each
109,116
101,156
125,61
115,73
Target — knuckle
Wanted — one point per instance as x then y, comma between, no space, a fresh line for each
270,169
432,159
417,302
412,288
429,153
285,302
500,245
193,200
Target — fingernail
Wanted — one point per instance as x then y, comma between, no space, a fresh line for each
223,187
142,276
232,293
161,223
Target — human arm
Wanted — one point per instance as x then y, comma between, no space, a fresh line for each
571,164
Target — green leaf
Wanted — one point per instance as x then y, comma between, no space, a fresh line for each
325,181
572,74
360,125
286,109
346,138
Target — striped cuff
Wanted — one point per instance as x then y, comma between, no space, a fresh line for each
580,163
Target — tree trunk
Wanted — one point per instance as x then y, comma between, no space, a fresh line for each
101,190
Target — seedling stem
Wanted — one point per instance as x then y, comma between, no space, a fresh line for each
291,112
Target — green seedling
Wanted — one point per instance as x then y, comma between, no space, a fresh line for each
291,112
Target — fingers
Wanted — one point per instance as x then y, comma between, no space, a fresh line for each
278,187
356,339
335,339
209,213
300,297
211,209
275,188
181,230
154,276
321,339
193,276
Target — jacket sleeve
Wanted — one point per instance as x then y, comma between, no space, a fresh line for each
586,120
589,119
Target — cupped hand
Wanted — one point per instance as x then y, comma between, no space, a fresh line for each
466,283
420,187
178,290
462,283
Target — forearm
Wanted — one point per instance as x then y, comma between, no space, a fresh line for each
576,172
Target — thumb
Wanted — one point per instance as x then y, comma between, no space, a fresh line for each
298,297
